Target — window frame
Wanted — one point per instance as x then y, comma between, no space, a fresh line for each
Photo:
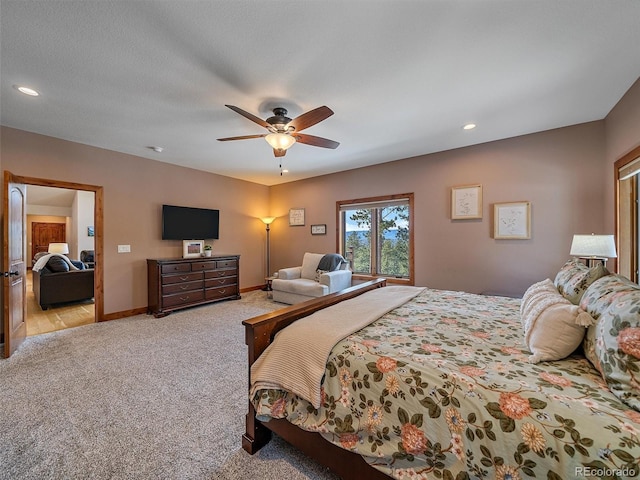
340,204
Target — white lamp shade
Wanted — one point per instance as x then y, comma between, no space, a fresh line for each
58,248
603,246
267,220
280,141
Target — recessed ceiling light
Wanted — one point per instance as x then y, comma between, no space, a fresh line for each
469,126
26,90
156,149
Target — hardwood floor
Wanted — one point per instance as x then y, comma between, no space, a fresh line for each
58,317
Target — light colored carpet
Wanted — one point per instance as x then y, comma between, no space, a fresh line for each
139,398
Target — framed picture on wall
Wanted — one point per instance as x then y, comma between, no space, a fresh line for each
512,220
90,232
466,202
296,217
192,248
319,229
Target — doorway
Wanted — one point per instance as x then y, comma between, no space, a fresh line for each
13,317
627,215
58,221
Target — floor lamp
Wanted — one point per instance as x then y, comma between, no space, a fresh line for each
268,221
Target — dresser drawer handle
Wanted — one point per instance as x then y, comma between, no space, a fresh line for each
184,287
221,282
185,298
222,291
186,277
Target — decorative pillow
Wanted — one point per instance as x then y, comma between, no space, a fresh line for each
553,327
533,291
319,273
57,264
613,344
574,278
310,263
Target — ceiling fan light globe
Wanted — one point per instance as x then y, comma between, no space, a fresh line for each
280,141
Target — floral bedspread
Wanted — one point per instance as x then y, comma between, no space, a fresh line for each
440,388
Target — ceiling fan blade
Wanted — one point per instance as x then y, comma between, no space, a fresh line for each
250,116
315,141
279,152
242,137
310,118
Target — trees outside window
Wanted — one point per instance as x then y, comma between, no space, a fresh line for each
375,235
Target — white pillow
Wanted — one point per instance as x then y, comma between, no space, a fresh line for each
545,286
553,326
310,263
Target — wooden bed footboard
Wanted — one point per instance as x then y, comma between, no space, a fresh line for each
259,332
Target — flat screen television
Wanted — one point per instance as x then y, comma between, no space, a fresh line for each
188,223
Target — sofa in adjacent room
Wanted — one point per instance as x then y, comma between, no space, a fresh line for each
57,282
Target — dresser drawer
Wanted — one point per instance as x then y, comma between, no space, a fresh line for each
227,264
182,298
199,266
181,287
187,277
175,268
220,282
221,273
220,292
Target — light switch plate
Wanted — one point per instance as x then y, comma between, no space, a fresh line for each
124,248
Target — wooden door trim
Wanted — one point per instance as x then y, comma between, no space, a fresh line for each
98,214
621,162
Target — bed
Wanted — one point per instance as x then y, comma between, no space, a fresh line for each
442,387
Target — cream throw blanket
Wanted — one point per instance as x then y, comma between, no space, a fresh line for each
296,359
42,261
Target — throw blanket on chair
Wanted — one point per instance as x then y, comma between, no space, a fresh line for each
42,261
312,338
331,262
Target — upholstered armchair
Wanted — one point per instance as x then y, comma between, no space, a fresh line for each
318,275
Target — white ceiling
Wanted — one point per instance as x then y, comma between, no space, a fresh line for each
402,76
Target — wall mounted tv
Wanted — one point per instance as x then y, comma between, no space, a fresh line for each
187,223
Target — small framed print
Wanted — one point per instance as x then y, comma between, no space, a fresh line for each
512,220
192,248
466,202
296,217
319,229
90,232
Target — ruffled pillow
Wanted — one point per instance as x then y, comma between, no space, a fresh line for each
553,326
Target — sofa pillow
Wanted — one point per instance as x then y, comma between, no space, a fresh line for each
310,263
613,343
574,278
553,326
57,264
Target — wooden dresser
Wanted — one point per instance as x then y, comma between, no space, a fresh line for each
177,283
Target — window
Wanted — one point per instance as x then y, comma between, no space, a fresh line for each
376,235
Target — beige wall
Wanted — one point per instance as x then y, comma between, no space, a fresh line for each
558,171
134,190
565,173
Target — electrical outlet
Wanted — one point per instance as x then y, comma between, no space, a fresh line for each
124,248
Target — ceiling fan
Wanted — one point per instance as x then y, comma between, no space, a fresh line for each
284,132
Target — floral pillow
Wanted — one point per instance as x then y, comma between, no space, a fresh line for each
574,278
613,344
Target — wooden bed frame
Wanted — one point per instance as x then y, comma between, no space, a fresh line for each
259,332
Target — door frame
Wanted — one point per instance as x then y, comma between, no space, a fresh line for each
98,214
